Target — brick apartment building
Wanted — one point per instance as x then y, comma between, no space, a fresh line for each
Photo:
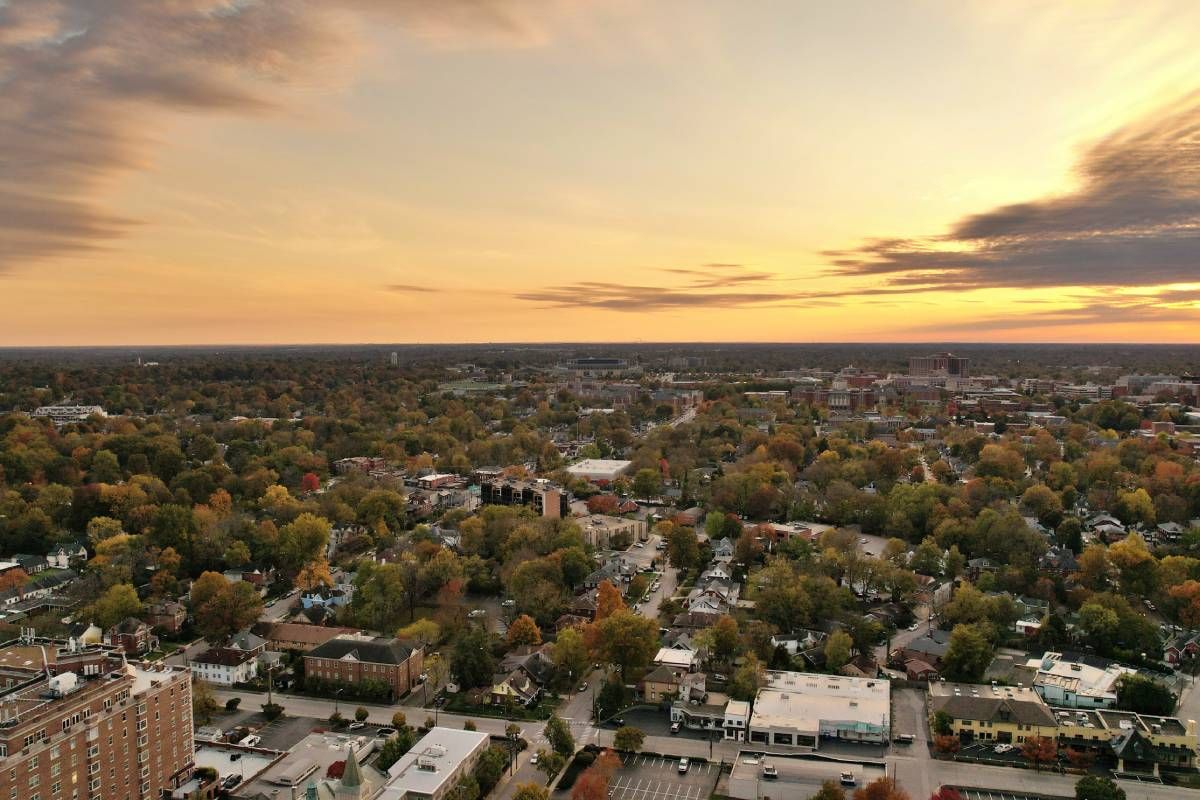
83,724
352,659
545,498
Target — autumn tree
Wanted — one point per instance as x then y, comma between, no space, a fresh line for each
830,790
1096,787
424,632
314,574
884,788
523,631
608,600
569,653
13,579
531,791
1039,750
222,608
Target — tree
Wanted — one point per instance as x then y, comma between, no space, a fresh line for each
628,739
830,790
204,705
314,574
301,541
626,639
469,725
399,720
608,600
725,637
569,654
310,483
226,610
683,550
272,711
1080,759
471,660
837,650
231,705
101,528
550,763
1039,750
13,579
1144,695
1095,787
424,632
523,630
337,721
747,679
361,714
968,654
593,783
943,723
647,483
945,793
558,734
118,602
105,468
946,743
490,767
884,788
531,791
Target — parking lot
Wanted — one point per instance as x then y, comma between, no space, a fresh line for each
656,778
986,794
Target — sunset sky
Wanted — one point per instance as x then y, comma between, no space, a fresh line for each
195,171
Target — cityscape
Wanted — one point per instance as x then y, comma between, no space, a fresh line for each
599,400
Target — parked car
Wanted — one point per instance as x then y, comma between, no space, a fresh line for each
533,759
905,738
674,728
1002,748
251,741
231,781
357,726
769,772
683,765
848,778
385,733
639,544
583,687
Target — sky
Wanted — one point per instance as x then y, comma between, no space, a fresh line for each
250,171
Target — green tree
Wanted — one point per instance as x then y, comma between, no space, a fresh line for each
490,766
471,660
943,723
629,739
204,704
968,654
682,548
232,608
396,746
1144,695
837,650
569,654
747,679
361,714
627,640
105,468
1096,787
550,763
531,791
302,541
647,483
558,734
118,602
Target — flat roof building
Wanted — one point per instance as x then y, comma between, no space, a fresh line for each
599,470
799,708
433,767
1076,682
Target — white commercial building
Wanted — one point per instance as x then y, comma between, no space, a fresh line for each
801,708
431,770
1076,684
599,470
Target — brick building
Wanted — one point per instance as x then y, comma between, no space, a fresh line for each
83,724
352,659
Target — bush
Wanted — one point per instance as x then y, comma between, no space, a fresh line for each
232,704
337,721
361,714
272,711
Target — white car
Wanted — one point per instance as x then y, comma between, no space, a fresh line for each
533,759
1002,748
252,740
683,765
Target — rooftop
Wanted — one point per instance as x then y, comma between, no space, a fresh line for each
804,700
432,761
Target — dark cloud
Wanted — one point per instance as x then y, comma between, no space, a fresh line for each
1134,220
1159,308
85,84
619,297
405,288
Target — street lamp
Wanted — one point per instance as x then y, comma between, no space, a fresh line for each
337,694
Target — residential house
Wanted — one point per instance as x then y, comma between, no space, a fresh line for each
930,648
67,556
283,636
224,667
670,683
32,564
168,616
130,635
1183,647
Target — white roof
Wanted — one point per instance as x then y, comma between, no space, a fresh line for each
599,465
674,657
432,761
803,700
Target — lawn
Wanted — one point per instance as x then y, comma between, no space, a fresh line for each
459,704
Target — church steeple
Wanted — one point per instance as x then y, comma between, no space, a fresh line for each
351,786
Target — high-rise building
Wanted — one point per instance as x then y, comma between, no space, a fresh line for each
940,364
77,722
